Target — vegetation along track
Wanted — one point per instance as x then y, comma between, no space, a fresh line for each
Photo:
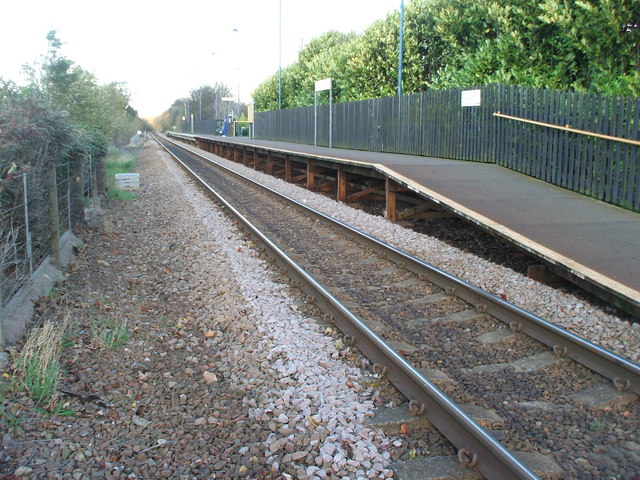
523,379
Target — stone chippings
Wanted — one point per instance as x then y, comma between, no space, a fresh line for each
223,376
557,306
299,390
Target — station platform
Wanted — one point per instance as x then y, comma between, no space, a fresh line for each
579,237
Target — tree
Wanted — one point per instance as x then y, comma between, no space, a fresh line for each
206,101
93,108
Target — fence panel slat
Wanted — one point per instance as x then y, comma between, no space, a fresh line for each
633,191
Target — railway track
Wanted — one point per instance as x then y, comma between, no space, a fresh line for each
524,379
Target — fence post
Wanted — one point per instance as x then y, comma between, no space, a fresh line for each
68,196
94,184
26,224
54,226
1,316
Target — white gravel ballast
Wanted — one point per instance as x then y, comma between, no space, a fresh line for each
302,386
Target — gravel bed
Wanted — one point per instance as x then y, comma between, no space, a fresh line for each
557,306
223,376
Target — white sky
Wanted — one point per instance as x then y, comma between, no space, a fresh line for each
164,49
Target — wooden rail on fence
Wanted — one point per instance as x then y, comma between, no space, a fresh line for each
568,128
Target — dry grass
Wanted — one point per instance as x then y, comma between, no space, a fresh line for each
38,363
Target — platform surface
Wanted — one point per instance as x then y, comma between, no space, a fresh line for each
587,236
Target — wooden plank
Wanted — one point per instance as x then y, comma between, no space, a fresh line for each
530,152
564,145
499,136
557,140
522,159
485,144
516,152
532,160
570,139
617,173
606,163
610,149
580,157
625,152
634,162
591,145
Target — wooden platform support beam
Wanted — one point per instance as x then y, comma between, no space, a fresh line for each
341,187
287,168
311,175
391,189
269,163
368,192
424,211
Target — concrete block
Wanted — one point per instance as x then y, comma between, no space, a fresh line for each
128,181
604,395
534,363
496,336
389,420
433,468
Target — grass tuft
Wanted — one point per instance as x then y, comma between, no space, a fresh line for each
119,161
38,363
111,333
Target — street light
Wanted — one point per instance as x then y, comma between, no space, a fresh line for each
280,55
401,40
235,30
215,100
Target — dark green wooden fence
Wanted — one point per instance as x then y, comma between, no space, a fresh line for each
434,124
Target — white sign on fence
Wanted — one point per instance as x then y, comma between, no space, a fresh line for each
324,84
470,98
321,85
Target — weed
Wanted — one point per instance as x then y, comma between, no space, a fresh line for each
111,333
67,341
57,411
55,292
10,419
119,194
596,425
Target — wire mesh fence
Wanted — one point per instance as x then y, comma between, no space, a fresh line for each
36,207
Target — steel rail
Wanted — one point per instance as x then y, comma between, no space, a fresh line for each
479,449
624,374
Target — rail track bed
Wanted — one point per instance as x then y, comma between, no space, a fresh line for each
557,417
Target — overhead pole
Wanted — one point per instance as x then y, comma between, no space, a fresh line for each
280,54
401,41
